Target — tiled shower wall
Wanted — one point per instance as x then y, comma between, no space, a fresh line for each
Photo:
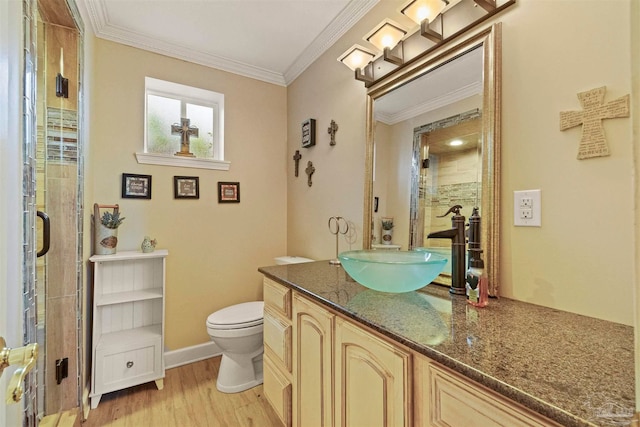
452,180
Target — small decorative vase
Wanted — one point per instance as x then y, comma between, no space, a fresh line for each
106,240
387,230
387,236
148,244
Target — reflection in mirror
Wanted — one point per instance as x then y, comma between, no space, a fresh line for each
412,169
447,171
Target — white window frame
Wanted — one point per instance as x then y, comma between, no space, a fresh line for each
191,95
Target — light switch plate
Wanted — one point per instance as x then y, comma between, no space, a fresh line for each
527,210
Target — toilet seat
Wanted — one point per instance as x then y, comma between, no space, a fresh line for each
237,316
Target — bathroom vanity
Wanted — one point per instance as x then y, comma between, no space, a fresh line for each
339,354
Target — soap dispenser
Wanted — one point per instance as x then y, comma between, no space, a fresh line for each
477,283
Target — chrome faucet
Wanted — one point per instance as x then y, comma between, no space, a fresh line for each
458,245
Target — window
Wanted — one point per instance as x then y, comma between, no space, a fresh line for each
184,126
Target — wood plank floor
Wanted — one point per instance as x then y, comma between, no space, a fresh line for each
189,398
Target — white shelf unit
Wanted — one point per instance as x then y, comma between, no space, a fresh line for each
128,321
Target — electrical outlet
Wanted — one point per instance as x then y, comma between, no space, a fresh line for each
526,202
527,208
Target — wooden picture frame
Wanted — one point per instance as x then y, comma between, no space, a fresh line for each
186,187
136,186
309,133
228,192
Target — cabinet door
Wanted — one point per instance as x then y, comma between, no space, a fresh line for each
446,399
372,380
312,362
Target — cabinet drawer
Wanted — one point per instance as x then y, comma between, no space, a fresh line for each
117,368
458,402
277,336
277,297
277,389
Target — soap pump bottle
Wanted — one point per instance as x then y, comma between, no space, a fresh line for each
477,285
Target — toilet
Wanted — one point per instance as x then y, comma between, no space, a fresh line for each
237,330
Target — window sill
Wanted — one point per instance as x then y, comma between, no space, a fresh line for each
185,162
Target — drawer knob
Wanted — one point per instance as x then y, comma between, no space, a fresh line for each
129,364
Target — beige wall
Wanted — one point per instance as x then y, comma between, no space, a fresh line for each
581,259
214,249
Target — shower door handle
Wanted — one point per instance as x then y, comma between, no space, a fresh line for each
46,233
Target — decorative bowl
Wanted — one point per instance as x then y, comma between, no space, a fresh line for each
392,271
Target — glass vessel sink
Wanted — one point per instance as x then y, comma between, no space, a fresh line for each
392,271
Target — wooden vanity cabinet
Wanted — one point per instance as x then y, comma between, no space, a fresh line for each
369,387
324,370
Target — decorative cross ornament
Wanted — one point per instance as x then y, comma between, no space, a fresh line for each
309,170
296,158
332,131
186,131
593,142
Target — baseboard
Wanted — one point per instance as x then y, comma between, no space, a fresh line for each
183,356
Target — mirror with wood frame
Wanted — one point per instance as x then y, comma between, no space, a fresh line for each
412,172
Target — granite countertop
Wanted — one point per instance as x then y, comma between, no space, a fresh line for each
576,370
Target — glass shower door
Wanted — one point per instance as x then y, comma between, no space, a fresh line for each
57,175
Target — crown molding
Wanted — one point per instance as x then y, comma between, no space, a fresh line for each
98,17
347,18
95,13
432,104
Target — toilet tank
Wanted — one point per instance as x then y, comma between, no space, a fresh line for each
281,260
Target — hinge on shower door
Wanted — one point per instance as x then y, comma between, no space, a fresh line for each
62,369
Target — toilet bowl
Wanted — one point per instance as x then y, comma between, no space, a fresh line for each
237,330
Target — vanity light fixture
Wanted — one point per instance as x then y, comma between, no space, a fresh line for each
403,49
424,12
358,59
387,37
488,5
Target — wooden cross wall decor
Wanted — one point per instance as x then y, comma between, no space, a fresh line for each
310,170
186,131
296,159
333,128
593,142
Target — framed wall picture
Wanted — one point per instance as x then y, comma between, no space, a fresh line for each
309,133
186,187
136,186
228,192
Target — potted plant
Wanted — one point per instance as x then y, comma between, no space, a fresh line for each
387,230
106,229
